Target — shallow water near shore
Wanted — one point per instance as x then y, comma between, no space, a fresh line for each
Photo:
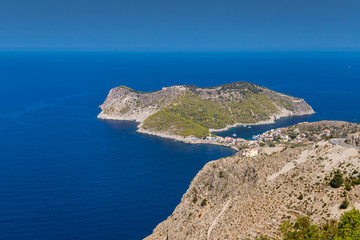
64,174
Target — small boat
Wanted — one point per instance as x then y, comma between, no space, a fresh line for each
249,127
234,135
244,125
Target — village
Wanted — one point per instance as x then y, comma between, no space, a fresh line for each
279,138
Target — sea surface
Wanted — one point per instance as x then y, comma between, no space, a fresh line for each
64,174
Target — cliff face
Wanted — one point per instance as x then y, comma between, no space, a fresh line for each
239,198
354,139
123,103
193,110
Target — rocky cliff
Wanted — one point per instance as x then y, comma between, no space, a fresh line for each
185,110
354,139
241,198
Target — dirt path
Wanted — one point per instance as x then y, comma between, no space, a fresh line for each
213,224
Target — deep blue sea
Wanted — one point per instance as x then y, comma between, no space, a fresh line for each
64,174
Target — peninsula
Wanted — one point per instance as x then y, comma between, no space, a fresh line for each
189,113
285,192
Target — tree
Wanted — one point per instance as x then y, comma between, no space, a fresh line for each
329,230
349,225
344,204
338,180
347,229
300,197
303,229
347,186
293,135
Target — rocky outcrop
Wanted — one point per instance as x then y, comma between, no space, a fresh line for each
239,198
123,103
215,107
354,139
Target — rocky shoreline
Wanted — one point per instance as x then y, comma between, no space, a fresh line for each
269,121
186,140
183,139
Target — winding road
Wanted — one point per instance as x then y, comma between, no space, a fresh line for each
341,142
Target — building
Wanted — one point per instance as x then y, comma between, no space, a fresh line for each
327,132
249,152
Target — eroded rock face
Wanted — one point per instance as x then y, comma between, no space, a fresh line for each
239,198
126,104
353,139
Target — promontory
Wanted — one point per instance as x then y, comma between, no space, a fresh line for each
180,111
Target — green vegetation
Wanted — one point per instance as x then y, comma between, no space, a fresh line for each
175,124
293,135
295,145
191,115
355,181
328,137
338,180
125,87
344,204
285,103
252,108
240,86
204,112
203,202
300,197
132,90
347,186
347,228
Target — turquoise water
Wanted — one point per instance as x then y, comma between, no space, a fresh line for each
64,174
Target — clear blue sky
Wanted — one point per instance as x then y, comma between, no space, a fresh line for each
186,25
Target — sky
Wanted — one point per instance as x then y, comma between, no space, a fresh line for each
186,25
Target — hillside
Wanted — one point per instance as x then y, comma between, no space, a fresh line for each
190,110
246,197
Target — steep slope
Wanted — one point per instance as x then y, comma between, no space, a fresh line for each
354,139
239,198
185,110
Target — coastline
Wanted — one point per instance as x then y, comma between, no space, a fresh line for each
183,139
174,137
271,120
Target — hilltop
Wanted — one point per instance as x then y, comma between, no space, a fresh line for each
248,197
180,111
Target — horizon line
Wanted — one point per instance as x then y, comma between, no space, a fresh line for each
209,50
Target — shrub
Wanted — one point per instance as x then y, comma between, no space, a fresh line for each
337,180
344,204
301,197
355,181
203,202
195,199
347,186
